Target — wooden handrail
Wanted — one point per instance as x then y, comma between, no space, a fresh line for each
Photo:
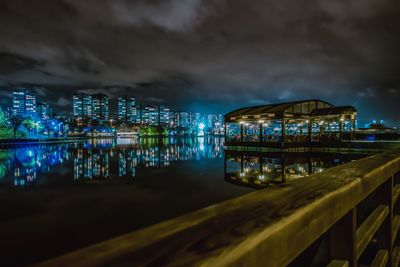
270,227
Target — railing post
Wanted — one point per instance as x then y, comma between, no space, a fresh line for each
385,197
396,221
396,206
342,239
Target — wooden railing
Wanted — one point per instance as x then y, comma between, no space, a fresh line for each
346,216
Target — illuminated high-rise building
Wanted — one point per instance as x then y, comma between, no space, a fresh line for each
164,115
150,115
44,110
209,121
100,108
182,119
195,119
24,103
127,111
82,105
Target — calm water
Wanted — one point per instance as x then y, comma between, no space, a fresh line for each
59,198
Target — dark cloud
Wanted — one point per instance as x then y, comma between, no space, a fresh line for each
10,63
215,54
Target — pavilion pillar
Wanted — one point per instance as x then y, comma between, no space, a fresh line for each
225,133
261,133
283,135
309,129
353,129
241,132
340,130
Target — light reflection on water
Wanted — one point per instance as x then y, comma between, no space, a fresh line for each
259,170
91,160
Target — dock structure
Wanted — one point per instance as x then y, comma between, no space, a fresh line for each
294,124
348,215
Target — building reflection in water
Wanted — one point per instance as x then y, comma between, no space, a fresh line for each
24,165
101,159
105,159
259,169
155,154
92,162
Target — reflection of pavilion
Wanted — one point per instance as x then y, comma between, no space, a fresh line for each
259,169
295,124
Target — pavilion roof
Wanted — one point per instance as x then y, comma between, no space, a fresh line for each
278,109
333,111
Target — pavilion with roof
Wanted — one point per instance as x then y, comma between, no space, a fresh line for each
293,124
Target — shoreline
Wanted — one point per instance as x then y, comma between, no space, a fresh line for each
22,142
5,143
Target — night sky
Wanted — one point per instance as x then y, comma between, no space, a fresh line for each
206,55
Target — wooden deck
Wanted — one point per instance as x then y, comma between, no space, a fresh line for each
346,216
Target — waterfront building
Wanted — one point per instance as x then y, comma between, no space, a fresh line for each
150,115
100,107
127,110
209,122
24,103
44,110
290,124
182,119
173,117
139,114
164,115
195,119
82,105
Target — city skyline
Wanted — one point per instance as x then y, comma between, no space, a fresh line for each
113,108
94,110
